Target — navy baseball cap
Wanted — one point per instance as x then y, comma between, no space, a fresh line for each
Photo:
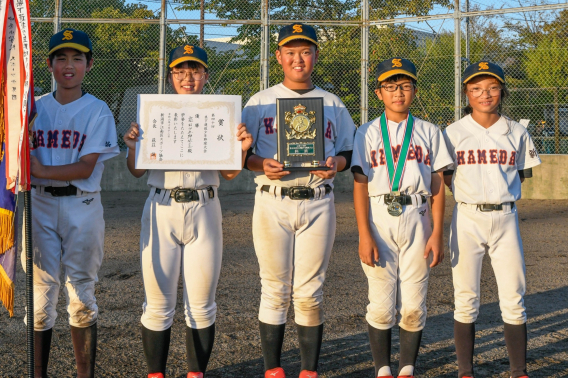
71,38
186,53
395,66
483,68
297,31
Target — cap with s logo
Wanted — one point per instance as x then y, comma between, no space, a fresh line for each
483,67
70,38
297,31
186,53
395,66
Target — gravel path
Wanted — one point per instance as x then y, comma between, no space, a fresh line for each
544,226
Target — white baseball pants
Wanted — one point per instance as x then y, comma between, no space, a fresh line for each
186,237
293,241
399,283
474,233
67,232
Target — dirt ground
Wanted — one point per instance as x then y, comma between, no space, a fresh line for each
345,353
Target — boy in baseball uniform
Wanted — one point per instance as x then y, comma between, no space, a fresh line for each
294,213
492,155
397,166
181,232
74,133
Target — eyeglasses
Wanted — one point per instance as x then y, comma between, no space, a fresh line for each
478,92
394,87
180,75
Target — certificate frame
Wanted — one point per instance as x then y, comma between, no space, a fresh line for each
188,132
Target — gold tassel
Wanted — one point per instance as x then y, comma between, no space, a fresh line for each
6,291
6,229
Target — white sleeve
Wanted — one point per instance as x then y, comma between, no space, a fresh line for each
439,155
251,117
101,138
527,156
360,154
450,148
345,129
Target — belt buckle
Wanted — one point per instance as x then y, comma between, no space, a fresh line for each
55,192
183,195
299,192
485,208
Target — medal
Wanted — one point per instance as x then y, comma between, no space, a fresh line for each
396,171
394,209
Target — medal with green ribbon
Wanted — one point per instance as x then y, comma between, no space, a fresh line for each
396,170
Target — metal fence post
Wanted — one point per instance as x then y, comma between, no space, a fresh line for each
457,61
162,59
264,45
467,32
364,61
56,29
556,123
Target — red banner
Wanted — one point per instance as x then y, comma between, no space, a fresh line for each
17,110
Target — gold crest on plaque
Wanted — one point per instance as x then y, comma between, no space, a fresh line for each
300,123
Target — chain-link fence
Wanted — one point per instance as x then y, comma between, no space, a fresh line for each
132,37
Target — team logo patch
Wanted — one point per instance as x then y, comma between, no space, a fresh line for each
483,66
88,201
67,35
107,143
188,49
297,29
396,63
422,212
533,153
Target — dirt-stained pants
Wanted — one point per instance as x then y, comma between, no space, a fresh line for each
399,282
67,232
293,241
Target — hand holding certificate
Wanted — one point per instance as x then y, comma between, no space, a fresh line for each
195,132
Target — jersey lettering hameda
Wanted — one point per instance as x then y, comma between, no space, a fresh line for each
66,139
493,156
418,153
269,127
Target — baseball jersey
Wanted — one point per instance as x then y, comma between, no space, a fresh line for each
260,117
62,134
427,153
486,161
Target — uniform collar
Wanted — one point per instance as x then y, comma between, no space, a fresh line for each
500,127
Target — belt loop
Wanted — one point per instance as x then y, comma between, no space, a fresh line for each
414,200
507,208
276,190
201,196
164,197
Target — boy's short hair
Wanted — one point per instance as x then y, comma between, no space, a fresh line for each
70,38
88,55
395,78
297,31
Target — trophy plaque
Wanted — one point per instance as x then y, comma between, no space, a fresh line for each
300,133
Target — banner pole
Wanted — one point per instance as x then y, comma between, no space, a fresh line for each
29,282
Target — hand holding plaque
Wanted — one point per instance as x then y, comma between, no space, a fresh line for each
300,134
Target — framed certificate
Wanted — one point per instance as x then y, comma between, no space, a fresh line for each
188,132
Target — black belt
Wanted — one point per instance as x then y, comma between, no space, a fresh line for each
298,192
490,207
187,195
60,191
403,199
